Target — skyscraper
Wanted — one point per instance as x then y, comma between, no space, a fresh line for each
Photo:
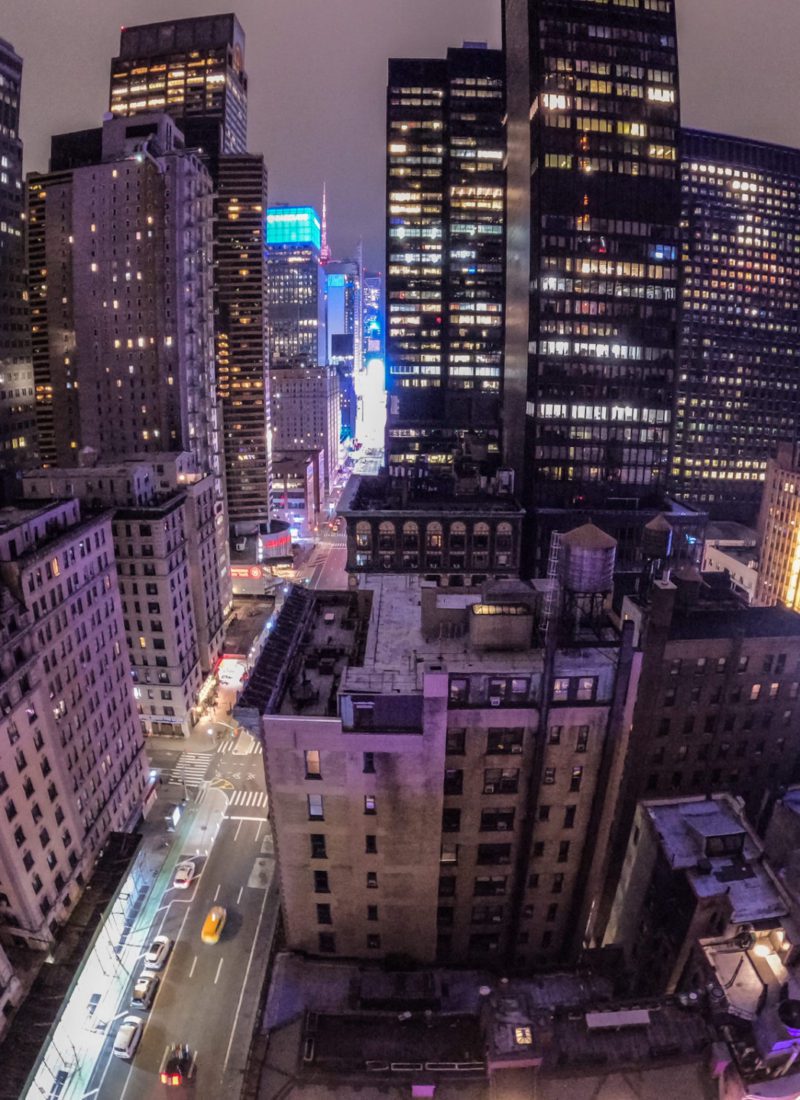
191,68
242,336
296,287
120,255
592,264
444,248
343,311
739,379
194,70
372,315
17,416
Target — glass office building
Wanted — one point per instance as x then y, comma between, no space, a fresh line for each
738,394
592,262
445,253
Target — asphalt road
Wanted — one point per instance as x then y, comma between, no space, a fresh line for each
208,994
325,567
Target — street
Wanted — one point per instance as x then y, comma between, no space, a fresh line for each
208,994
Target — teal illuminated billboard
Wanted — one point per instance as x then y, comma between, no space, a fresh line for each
293,225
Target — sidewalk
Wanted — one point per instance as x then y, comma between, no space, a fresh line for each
148,849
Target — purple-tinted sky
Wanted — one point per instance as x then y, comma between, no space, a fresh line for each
317,72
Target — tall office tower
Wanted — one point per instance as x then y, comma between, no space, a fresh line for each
443,806
243,337
738,392
779,532
17,413
306,414
343,311
120,259
72,762
445,256
592,260
372,324
194,70
174,586
295,287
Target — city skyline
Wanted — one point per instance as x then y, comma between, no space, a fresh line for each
288,68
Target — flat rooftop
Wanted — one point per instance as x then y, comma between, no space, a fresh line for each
397,654
321,1001
684,829
726,531
376,494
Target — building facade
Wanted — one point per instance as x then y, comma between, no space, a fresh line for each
296,287
175,590
718,702
191,68
17,412
435,774
445,256
461,537
122,323
779,541
693,870
242,337
740,340
306,413
592,261
72,762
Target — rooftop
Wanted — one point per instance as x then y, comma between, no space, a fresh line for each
397,653
725,531
312,1004
379,494
712,842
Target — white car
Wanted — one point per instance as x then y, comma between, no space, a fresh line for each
184,873
158,952
128,1037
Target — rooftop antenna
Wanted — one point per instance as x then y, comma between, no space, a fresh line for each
324,252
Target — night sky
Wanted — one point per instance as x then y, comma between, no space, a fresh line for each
317,71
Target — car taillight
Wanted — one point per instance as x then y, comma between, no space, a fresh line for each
164,1078
176,1079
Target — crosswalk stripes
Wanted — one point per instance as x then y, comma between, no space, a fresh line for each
230,746
252,799
191,768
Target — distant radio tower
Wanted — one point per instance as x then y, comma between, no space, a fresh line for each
324,252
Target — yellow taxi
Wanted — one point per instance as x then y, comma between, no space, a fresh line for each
213,925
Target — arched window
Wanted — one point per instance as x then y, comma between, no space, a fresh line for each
480,536
364,536
503,537
458,535
410,535
386,535
433,536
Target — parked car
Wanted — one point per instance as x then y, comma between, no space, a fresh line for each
144,991
128,1037
184,873
158,953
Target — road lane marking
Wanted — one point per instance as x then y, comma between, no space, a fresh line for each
219,967
239,898
216,892
243,817
238,827
261,821
244,982
194,964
